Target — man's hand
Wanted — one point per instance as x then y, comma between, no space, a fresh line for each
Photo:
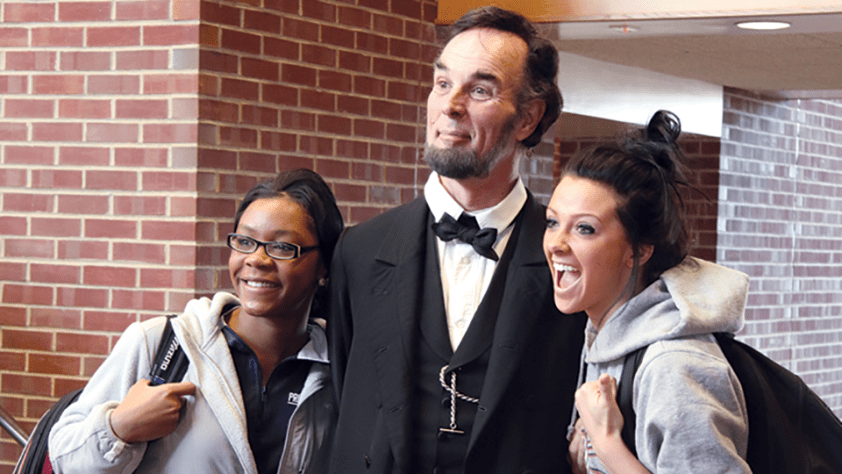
148,413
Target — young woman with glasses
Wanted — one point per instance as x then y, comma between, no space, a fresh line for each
256,396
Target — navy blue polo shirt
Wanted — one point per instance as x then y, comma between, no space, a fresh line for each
269,408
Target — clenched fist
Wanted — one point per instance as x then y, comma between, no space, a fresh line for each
148,413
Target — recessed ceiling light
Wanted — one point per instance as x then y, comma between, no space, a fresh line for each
763,25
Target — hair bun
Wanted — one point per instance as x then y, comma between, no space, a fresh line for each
663,127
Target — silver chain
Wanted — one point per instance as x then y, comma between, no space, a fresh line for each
453,395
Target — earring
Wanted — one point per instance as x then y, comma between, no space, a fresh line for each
323,281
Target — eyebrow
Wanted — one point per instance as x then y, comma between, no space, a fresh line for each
479,75
277,234
579,215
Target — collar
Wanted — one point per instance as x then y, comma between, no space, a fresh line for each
499,216
315,349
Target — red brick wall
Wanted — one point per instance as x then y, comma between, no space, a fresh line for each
128,130
780,221
98,209
336,86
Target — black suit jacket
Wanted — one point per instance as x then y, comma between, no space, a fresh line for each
527,396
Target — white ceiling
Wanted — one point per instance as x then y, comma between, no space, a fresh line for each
804,61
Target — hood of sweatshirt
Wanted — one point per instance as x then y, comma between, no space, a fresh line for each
693,298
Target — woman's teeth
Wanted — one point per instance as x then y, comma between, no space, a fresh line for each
563,268
565,276
258,284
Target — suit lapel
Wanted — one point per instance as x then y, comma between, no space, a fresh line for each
525,292
394,338
402,252
433,322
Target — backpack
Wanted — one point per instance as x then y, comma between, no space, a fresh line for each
791,430
169,366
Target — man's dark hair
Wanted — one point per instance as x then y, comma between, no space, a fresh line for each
541,61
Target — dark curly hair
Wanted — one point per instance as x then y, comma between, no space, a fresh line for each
646,171
541,61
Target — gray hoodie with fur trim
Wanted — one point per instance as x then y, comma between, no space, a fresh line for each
690,410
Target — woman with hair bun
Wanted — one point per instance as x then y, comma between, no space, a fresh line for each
618,245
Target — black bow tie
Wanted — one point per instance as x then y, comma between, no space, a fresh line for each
467,230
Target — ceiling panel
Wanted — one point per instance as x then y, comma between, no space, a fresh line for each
804,61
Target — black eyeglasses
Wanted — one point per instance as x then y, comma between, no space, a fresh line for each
276,250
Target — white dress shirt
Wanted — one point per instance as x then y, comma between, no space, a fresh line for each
465,274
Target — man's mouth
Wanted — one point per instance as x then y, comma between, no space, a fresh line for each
454,135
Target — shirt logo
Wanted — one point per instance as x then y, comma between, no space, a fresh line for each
292,399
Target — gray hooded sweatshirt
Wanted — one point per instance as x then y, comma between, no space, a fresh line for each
690,410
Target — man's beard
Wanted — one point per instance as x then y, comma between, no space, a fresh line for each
460,163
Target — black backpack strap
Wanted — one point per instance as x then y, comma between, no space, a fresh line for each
170,361
625,398
32,458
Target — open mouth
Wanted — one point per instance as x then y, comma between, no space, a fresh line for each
565,276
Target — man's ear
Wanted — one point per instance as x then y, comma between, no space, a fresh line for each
532,115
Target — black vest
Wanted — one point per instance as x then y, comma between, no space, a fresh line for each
437,451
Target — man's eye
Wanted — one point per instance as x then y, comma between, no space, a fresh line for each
481,92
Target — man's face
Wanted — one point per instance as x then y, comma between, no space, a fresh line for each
472,113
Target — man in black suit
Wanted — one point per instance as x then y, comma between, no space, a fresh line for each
449,355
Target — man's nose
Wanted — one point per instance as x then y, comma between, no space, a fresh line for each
455,105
